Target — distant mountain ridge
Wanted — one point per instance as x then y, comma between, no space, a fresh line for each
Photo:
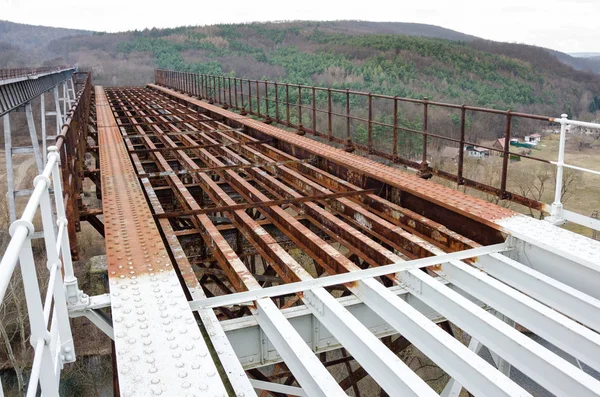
404,59
585,54
17,37
25,45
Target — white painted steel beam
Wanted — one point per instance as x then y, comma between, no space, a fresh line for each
343,278
567,257
244,332
549,370
556,328
563,298
278,388
306,367
453,388
384,366
462,364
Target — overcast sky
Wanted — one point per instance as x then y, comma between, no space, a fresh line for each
565,25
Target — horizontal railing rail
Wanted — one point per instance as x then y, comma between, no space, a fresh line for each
23,72
50,329
299,107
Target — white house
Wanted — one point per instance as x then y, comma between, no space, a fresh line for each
533,138
477,152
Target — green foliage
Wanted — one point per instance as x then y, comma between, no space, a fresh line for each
396,65
301,66
595,104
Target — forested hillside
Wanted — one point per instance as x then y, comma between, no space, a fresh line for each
409,60
22,44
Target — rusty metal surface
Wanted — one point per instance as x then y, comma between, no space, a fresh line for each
355,222
140,269
12,73
358,110
464,204
256,195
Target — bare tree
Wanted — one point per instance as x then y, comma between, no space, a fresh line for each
537,183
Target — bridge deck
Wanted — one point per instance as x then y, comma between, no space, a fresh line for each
243,205
160,349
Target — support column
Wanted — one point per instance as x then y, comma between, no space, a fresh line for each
10,194
35,144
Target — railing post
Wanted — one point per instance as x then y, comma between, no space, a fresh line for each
220,100
370,124
61,313
349,147
42,367
225,103
202,87
300,130
424,165
243,111
556,211
461,147
267,117
229,88
329,123
395,132
257,98
249,97
71,285
314,112
276,102
506,155
287,103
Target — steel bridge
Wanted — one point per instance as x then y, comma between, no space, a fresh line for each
247,258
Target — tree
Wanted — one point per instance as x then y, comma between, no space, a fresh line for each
537,183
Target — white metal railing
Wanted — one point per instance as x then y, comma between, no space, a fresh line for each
49,322
558,215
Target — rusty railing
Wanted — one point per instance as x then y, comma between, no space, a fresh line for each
311,110
23,72
70,145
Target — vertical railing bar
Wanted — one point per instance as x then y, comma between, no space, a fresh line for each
268,116
287,103
424,165
395,130
277,103
329,121
257,98
370,124
349,146
229,87
461,147
300,130
243,111
314,112
249,97
506,155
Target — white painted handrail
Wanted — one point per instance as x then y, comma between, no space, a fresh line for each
558,215
50,334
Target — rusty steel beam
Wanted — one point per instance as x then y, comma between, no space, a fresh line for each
309,374
286,267
320,251
472,217
261,204
139,268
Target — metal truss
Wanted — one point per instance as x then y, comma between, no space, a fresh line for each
241,171
244,259
18,91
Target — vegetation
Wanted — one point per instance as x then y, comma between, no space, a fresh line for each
409,60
